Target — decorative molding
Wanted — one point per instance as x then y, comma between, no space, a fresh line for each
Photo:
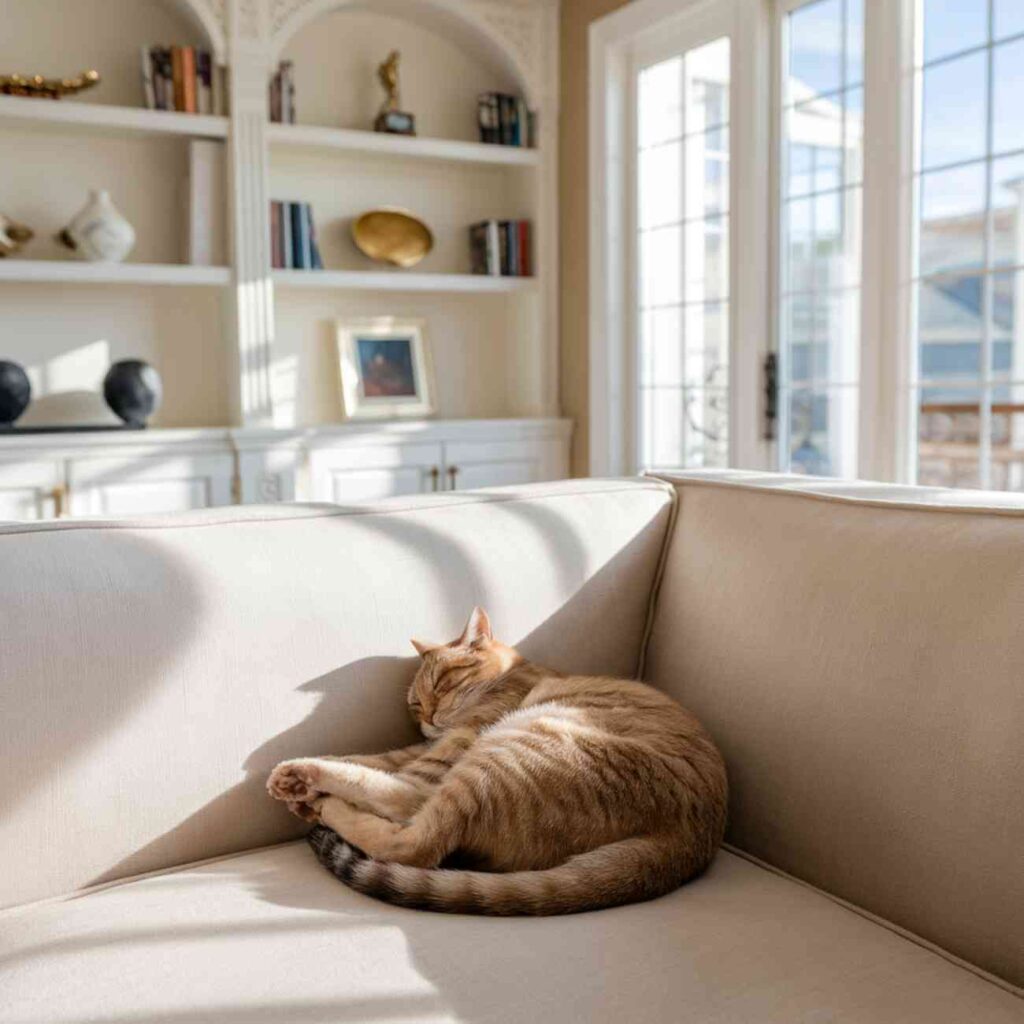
515,26
282,11
212,15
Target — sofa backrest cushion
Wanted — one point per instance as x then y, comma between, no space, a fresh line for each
860,662
152,672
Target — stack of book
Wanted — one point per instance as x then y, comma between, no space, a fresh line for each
505,120
501,248
181,78
293,237
282,94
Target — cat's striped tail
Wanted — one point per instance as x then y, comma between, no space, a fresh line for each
629,871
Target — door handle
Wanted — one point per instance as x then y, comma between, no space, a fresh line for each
59,496
453,472
435,478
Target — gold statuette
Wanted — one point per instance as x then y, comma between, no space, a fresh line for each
39,87
13,236
391,119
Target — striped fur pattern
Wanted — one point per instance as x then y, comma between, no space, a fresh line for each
535,793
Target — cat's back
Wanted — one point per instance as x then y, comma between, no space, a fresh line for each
612,709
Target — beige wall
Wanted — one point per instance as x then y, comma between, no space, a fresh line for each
576,18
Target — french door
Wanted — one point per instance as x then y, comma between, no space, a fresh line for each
681,237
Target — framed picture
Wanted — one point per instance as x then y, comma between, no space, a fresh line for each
385,368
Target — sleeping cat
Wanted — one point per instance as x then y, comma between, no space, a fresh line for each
562,793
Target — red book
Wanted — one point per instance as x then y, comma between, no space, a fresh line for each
275,236
188,74
178,77
525,269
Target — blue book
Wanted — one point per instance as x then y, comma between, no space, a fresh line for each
298,253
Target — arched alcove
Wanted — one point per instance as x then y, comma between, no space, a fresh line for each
451,19
55,38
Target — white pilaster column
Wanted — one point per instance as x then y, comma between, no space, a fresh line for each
249,45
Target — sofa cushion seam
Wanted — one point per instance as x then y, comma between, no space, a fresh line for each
659,575
843,499
890,926
345,512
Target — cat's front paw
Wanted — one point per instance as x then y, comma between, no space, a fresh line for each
295,782
307,812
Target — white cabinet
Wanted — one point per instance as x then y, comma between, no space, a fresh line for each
31,490
125,474
364,472
471,464
167,483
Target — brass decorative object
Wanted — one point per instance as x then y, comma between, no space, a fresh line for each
391,118
392,235
13,235
38,87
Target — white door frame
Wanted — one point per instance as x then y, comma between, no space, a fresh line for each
614,40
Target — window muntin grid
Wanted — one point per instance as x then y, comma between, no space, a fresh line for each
683,184
820,235
967,379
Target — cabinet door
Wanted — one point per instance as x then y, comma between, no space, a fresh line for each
126,486
470,464
368,472
30,490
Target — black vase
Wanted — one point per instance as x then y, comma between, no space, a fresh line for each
133,390
15,392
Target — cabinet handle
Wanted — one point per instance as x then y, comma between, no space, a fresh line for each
58,494
435,478
453,472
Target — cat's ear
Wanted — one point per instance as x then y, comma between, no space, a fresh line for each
423,648
477,630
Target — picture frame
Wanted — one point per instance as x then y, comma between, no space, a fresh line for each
385,367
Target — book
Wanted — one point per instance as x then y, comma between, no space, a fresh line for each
163,78
188,81
177,79
318,263
276,258
501,248
298,236
204,82
287,258
524,268
148,88
505,120
282,94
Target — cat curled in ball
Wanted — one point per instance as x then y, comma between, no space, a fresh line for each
535,793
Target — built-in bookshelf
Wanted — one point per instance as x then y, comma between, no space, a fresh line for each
283,319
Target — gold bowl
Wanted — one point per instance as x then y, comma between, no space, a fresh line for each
391,235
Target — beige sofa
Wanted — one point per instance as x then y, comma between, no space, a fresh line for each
856,652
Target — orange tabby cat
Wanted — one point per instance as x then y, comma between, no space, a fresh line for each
563,793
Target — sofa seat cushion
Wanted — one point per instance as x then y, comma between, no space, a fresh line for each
270,936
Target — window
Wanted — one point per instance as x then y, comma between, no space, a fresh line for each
968,349
808,238
682,224
820,231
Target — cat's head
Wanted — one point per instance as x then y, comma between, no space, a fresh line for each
459,683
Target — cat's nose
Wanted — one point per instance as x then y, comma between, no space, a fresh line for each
429,730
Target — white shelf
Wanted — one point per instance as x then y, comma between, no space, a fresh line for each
72,272
401,281
297,136
24,112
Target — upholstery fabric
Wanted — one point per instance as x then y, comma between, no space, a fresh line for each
857,652
153,671
270,936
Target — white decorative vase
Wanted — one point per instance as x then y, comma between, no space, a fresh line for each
99,232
